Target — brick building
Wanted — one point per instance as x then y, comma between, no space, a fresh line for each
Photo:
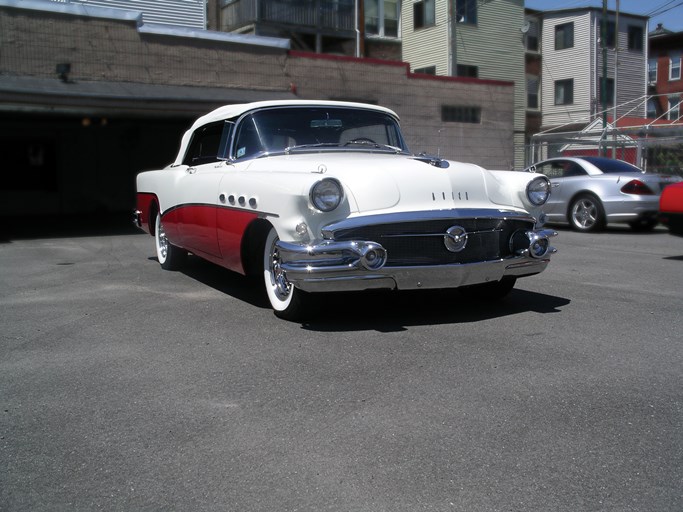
91,96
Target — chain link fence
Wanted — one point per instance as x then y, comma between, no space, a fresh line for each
660,153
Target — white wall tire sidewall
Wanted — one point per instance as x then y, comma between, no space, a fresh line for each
157,242
277,302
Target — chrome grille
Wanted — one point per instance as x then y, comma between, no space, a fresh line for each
421,243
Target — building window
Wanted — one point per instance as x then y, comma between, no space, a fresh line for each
564,36
532,36
466,11
381,18
460,114
674,108
675,66
423,14
428,70
635,38
652,70
651,108
532,83
564,92
468,71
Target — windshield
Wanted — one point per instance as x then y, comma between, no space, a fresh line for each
609,165
290,129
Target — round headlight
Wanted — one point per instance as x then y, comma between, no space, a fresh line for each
538,190
326,194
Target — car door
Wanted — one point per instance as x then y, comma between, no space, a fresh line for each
198,190
554,170
566,178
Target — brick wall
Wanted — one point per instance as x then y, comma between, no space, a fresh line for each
117,50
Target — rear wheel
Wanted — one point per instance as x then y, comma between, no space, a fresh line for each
587,214
170,257
285,299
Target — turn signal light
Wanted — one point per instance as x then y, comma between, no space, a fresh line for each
637,187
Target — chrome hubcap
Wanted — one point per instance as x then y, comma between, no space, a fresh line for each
163,242
584,214
282,287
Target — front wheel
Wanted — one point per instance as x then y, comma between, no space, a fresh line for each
170,257
587,214
287,302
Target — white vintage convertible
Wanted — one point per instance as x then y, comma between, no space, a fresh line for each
321,196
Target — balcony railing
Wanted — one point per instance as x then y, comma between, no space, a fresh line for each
325,15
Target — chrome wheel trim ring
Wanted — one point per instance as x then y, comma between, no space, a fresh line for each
162,241
584,213
281,286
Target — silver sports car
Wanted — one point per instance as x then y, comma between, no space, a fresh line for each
589,192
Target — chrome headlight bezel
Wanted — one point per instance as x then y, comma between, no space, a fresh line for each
538,191
326,195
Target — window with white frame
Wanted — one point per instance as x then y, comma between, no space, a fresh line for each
652,70
674,108
675,66
381,17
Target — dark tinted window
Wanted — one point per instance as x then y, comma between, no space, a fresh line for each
609,165
205,145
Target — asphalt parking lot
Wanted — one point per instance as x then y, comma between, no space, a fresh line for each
125,387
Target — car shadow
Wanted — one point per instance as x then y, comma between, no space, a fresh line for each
380,310
392,311
67,226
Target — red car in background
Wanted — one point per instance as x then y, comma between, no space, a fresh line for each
671,208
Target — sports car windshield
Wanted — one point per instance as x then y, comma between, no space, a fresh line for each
298,129
609,165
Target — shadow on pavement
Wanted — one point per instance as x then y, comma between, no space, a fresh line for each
381,310
66,226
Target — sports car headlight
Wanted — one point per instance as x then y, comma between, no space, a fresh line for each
326,194
538,190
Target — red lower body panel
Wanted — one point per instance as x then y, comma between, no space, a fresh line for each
211,232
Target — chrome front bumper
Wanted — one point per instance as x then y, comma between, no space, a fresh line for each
329,266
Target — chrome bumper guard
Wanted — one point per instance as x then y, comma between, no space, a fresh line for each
330,266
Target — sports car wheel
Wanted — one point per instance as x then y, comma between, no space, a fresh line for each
586,214
286,301
170,257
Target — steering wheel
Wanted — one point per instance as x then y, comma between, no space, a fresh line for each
361,140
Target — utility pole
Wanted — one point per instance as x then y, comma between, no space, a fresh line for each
616,79
603,82
453,13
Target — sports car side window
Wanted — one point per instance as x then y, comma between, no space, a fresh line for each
550,169
205,145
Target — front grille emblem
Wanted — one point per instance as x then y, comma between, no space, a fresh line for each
455,238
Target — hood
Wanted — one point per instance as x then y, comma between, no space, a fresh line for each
389,181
